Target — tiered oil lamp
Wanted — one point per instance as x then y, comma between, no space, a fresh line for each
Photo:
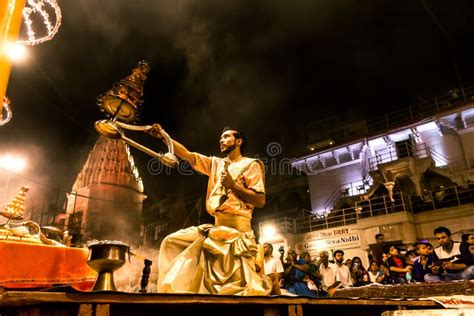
122,104
15,209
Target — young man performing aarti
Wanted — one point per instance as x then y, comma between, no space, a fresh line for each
220,258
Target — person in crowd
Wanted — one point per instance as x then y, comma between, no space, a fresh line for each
343,274
377,251
430,249
452,265
376,275
410,257
380,238
424,263
397,266
290,259
327,270
302,276
273,268
447,249
466,240
348,262
359,274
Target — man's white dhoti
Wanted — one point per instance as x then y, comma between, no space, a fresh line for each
210,260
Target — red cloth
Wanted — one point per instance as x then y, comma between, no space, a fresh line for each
24,265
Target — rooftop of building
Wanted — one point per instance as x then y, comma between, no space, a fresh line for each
338,130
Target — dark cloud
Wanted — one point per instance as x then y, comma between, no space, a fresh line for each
267,66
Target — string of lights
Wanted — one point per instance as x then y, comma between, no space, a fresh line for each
38,7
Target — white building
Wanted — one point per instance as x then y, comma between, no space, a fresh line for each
402,175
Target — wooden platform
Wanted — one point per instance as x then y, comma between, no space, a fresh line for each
415,290
102,304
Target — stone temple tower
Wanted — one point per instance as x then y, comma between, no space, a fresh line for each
107,196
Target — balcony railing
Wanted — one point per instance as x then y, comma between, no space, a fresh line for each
334,127
401,150
377,206
345,190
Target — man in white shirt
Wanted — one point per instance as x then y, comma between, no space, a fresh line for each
448,249
448,252
327,270
273,267
343,274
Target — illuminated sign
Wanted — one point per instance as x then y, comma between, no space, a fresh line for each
338,238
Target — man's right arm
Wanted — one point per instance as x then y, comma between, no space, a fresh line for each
179,150
183,153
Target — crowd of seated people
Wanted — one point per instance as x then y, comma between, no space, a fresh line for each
451,260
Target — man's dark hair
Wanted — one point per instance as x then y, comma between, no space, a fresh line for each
442,229
378,236
338,251
237,134
269,245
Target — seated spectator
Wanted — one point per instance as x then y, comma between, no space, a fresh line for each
327,270
466,240
410,257
375,274
359,275
343,274
291,258
302,277
273,268
447,249
348,262
424,263
397,266
452,265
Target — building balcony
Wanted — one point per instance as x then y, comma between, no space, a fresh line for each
306,221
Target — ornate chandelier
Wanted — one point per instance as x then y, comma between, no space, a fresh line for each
40,8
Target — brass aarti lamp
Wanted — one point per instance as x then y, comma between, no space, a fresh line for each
122,104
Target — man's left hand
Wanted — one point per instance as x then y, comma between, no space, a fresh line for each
226,180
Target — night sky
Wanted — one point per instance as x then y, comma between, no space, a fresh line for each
267,67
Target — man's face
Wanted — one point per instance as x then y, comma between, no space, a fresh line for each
339,257
471,249
443,239
470,239
227,142
267,250
324,257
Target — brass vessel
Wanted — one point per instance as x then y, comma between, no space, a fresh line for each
122,105
105,257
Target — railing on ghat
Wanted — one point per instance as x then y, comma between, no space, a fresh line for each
306,221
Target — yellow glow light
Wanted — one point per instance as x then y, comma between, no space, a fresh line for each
12,163
15,52
269,231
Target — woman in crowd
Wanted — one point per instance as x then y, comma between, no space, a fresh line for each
359,274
